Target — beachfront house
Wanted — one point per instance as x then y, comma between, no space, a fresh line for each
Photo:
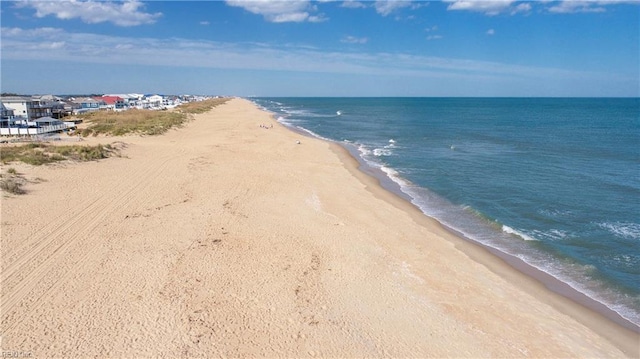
171,101
123,101
5,112
28,108
71,107
113,103
39,126
50,122
40,108
88,104
59,108
154,102
133,100
6,116
20,105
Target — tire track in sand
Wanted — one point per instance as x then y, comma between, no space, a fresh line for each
40,241
62,249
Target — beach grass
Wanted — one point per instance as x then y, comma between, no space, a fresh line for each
12,184
202,106
39,154
143,122
11,181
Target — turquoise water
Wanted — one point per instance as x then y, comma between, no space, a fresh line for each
555,182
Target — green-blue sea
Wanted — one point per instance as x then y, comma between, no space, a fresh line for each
552,181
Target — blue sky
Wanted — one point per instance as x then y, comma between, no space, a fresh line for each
322,48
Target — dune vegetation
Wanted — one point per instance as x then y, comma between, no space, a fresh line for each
40,153
143,122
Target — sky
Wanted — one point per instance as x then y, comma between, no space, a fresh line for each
353,48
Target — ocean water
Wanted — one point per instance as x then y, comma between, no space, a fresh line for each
552,181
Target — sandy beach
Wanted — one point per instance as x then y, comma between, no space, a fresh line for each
227,239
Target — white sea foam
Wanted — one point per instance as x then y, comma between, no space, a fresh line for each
553,213
386,150
559,234
517,233
289,122
285,121
395,177
382,152
304,113
314,134
551,234
622,229
364,151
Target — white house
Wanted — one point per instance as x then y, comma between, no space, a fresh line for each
21,106
155,101
5,112
39,126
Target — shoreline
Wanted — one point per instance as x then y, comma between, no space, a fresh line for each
223,238
596,315
567,296
549,281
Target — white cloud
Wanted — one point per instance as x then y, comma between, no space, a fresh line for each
280,10
354,40
574,6
352,4
524,7
432,30
127,13
205,23
491,32
43,32
489,7
317,18
577,6
386,7
495,7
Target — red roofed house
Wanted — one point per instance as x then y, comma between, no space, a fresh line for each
114,103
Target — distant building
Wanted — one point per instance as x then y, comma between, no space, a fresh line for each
70,107
6,116
47,98
5,112
154,101
21,106
59,107
19,126
88,104
115,103
40,108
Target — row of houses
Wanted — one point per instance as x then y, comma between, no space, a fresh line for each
26,118
123,102
44,114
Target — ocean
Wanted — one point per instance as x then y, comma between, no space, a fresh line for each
552,181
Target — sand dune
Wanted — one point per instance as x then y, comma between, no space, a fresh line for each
223,238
